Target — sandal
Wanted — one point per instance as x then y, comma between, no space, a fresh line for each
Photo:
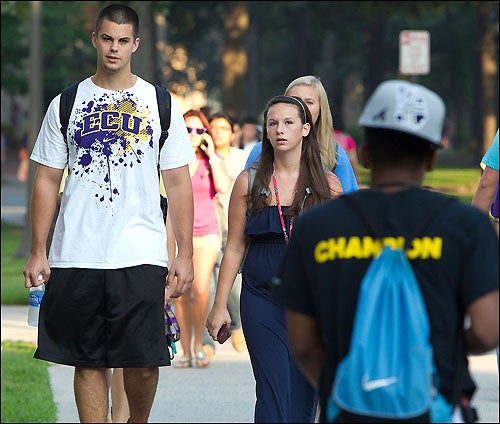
202,360
184,362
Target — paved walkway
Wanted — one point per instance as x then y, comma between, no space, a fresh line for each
224,392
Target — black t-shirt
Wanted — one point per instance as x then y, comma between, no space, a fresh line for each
331,249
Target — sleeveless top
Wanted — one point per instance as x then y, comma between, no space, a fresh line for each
266,249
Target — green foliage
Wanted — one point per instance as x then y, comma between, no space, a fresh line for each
459,182
26,394
13,290
14,42
352,46
68,54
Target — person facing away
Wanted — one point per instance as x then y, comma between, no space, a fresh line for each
289,178
234,159
311,90
106,273
208,177
487,189
319,282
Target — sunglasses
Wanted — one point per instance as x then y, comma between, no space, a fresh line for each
199,131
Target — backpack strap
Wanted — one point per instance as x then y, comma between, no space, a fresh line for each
336,157
364,217
66,103
163,98
252,170
164,108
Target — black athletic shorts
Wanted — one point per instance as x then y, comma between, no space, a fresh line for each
104,318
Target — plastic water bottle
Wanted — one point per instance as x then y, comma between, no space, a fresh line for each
36,296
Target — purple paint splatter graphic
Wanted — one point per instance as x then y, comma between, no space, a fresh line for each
111,137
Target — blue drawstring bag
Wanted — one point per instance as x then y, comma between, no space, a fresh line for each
389,371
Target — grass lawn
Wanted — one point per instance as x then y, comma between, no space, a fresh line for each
26,394
13,290
459,182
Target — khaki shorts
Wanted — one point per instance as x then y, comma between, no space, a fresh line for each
213,241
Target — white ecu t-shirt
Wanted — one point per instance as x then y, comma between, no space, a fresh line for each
110,214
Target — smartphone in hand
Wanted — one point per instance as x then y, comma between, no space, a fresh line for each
224,333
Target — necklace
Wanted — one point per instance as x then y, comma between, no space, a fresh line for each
280,212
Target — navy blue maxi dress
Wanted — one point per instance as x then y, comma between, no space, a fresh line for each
282,393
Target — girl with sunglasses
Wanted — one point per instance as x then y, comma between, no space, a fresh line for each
208,177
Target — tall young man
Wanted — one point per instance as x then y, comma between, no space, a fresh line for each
106,274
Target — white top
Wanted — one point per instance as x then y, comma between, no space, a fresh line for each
110,213
235,164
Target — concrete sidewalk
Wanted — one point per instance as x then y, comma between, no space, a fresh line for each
223,392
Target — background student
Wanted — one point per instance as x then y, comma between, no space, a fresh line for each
208,177
311,90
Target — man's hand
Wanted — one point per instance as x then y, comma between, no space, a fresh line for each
180,276
36,271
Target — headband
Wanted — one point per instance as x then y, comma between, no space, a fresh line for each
301,105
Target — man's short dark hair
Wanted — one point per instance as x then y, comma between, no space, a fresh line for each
387,147
119,14
249,120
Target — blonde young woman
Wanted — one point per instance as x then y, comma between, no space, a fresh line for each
311,90
290,178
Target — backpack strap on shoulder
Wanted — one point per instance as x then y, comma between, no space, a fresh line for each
252,170
336,157
428,219
66,103
364,217
164,101
164,107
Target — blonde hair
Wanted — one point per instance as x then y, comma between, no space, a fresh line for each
324,123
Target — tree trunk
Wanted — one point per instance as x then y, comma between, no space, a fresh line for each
329,77
234,58
253,102
489,75
143,59
35,113
301,47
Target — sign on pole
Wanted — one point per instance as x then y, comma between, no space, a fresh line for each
414,52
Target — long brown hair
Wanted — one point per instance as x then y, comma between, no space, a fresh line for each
313,185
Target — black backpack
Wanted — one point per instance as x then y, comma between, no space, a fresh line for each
163,99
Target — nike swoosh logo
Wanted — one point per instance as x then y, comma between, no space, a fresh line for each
369,385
